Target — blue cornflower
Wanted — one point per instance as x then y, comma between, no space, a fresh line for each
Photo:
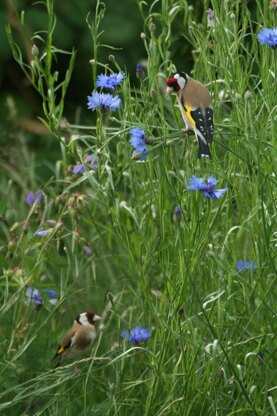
41,233
139,71
246,265
124,334
87,251
33,198
208,187
90,160
138,142
210,19
268,37
51,295
110,81
103,101
138,334
33,296
78,169
177,213
137,137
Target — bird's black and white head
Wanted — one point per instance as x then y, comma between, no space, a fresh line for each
87,318
176,82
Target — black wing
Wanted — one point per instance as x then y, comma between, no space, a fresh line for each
204,123
60,351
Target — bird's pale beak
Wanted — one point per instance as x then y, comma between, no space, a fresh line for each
97,318
168,90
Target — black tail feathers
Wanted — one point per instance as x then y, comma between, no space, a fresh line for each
203,149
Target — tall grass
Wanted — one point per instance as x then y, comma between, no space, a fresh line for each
213,347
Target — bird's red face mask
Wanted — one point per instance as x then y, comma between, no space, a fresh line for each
176,82
172,85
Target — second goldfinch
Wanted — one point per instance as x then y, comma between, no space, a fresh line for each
195,105
79,337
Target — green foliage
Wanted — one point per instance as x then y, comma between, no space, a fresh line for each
212,346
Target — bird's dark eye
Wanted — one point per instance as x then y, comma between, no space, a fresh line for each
90,316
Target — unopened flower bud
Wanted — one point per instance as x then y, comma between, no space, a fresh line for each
87,251
110,296
136,156
177,213
64,124
152,26
221,95
11,244
123,204
248,95
210,19
25,226
35,51
11,106
15,226
139,71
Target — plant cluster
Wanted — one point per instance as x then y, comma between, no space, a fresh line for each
176,254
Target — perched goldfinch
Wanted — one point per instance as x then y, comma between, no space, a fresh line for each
194,102
79,337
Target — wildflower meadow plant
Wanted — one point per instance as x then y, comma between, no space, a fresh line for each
138,242
268,37
136,335
139,71
90,163
177,213
246,265
52,296
206,187
33,296
41,233
103,102
78,169
210,19
87,251
138,142
34,198
110,81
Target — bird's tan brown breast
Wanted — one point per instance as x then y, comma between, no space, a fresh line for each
84,338
77,338
196,95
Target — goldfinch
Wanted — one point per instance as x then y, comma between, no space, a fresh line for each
79,337
194,102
